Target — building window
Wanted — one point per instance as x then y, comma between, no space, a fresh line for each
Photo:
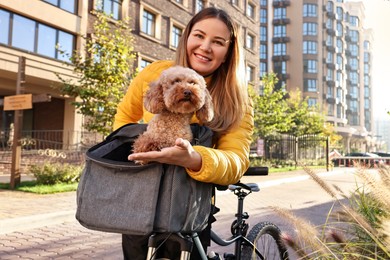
339,45
280,49
339,13
309,10
199,5
280,67
235,2
354,20
149,23
366,45
4,26
263,33
310,66
310,85
263,15
143,63
70,6
250,41
339,60
251,10
366,55
309,47
330,110
263,2
309,28
176,34
263,51
280,13
263,68
329,57
312,102
111,7
280,31
29,35
250,73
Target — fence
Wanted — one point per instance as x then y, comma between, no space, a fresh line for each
39,147
297,149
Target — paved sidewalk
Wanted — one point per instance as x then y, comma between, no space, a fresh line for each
22,210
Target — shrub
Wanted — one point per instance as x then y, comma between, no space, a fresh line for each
360,228
54,173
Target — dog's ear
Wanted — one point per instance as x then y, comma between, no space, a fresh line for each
154,98
206,112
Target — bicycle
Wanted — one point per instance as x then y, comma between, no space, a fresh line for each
262,242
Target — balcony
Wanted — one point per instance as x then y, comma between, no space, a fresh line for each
331,32
281,21
280,39
330,83
330,48
280,58
330,65
331,14
331,100
282,3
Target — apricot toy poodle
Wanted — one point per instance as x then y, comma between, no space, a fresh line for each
173,98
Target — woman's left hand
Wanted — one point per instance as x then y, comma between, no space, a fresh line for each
182,154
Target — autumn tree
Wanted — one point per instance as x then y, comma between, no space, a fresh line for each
270,108
305,119
103,72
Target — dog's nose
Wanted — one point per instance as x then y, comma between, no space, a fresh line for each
187,93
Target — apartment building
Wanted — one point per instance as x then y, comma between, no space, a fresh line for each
318,46
322,49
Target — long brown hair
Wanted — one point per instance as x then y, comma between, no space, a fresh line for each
227,86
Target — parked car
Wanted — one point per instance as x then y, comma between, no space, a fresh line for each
382,154
348,162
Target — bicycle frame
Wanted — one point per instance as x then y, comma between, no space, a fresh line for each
239,228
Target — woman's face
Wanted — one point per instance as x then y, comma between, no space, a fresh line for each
207,45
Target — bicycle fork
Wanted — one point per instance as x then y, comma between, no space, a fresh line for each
186,244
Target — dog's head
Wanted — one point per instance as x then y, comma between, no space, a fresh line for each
180,90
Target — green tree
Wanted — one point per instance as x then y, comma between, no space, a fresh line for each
270,109
103,72
305,119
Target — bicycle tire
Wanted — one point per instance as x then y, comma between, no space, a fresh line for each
266,238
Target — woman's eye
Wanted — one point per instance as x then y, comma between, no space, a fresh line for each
198,36
220,43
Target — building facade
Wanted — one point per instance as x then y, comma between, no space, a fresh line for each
319,47
322,49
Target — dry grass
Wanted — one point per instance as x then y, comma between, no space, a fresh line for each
357,230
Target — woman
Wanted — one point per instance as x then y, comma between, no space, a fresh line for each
211,47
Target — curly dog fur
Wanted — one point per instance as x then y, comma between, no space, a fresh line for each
174,98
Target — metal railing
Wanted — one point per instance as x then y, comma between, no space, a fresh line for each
46,146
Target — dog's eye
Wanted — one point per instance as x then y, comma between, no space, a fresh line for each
176,81
192,82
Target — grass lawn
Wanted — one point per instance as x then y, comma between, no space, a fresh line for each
32,186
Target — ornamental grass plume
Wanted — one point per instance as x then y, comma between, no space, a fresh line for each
356,229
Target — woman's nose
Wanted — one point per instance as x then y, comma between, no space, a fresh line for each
206,45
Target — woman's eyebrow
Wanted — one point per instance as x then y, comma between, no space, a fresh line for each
216,37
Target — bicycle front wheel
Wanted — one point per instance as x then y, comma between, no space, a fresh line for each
265,237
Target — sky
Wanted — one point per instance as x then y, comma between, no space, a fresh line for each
377,17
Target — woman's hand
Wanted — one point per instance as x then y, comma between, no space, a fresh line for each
182,154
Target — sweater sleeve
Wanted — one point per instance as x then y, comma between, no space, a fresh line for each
227,162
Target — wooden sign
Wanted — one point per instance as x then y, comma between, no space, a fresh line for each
18,102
